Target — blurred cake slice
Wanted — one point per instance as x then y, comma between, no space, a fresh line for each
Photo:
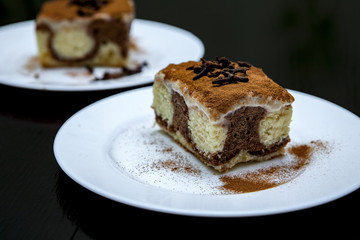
223,112
84,32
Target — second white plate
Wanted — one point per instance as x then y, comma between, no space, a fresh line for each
158,44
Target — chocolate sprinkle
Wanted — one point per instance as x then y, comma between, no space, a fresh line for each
222,69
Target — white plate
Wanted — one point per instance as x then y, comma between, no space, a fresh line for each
158,44
97,146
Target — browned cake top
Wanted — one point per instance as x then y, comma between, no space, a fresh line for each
70,9
220,88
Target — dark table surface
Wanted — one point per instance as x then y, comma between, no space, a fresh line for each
310,46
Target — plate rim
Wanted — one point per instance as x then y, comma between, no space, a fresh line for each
198,213
108,85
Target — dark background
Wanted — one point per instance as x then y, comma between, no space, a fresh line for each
311,46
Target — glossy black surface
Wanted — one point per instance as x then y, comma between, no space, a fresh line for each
310,46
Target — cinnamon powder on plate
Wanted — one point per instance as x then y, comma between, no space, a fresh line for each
276,175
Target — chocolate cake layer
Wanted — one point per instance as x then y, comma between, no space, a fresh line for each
181,116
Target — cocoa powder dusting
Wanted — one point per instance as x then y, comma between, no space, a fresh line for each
176,166
276,175
302,152
247,183
172,161
170,166
32,64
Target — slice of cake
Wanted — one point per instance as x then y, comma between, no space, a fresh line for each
223,112
84,32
